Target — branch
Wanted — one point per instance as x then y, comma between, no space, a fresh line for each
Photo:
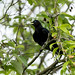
56,24
31,11
34,58
53,15
42,60
48,68
31,62
56,68
43,47
8,9
51,67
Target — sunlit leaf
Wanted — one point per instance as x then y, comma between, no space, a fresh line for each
55,50
17,66
67,15
65,65
19,47
21,59
11,43
63,27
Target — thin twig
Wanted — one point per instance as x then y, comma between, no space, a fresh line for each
31,62
8,9
17,35
42,48
42,60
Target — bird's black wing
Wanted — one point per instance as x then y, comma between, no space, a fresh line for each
41,36
35,37
45,31
44,35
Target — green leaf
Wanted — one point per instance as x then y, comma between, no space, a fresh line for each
64,27
17,66
1,53
31,72
11,43
67,15
2,72
15,29
62,16
15,24
30,2
65,65
62,19
72,46
51,45
17,17
21,59
61,72
70,42
54,51
43,14
20,47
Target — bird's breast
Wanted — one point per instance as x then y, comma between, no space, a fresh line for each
42,37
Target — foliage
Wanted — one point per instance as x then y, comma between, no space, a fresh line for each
18,51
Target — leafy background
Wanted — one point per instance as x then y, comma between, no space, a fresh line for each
18,51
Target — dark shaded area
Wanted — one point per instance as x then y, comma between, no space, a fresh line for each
41,34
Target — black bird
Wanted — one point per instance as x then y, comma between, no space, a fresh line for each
41,34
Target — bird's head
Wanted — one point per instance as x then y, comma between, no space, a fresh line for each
36,23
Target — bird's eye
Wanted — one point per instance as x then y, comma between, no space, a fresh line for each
35,21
